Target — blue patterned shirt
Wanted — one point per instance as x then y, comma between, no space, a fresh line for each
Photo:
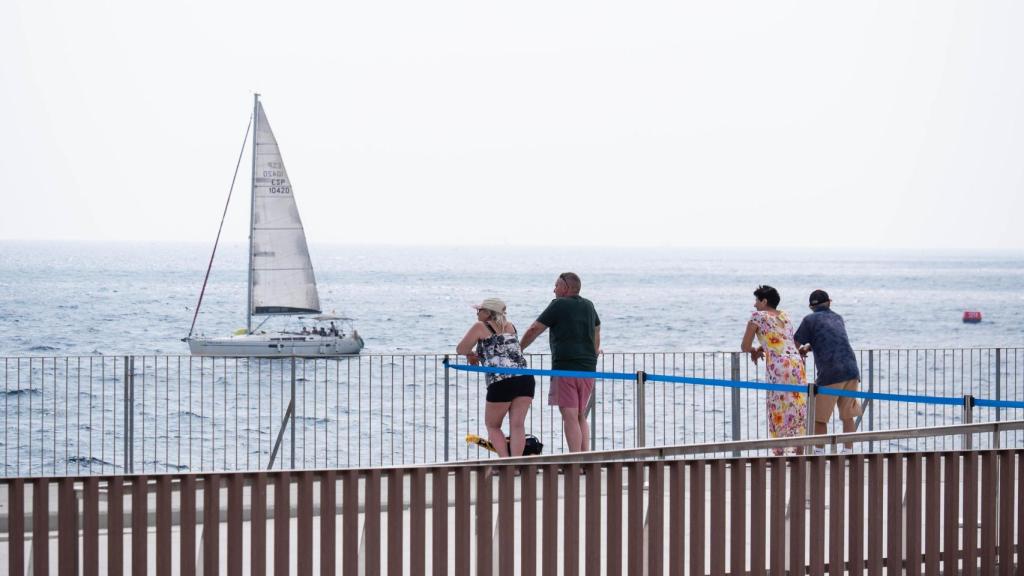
834,359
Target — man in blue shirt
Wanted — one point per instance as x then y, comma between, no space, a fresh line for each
824,332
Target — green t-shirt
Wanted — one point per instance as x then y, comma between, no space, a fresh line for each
571,321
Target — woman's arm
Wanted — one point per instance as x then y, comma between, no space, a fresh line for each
465,347
748,343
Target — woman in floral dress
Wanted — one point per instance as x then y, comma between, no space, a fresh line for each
787,411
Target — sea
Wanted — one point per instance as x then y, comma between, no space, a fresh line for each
108,298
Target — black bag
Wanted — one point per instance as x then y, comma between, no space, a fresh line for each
533,446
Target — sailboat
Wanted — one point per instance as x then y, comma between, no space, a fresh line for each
281,278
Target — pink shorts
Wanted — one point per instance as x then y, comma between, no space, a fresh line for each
570,392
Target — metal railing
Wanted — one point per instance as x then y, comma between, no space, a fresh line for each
640,511
103,415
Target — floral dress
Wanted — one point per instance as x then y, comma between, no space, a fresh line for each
787,411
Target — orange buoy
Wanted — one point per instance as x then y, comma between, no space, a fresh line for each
972,317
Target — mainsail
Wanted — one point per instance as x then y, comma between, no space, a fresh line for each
282,273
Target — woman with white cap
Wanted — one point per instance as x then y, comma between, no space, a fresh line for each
493,341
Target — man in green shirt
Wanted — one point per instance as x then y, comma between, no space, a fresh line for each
575,340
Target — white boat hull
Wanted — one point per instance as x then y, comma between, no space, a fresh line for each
276,345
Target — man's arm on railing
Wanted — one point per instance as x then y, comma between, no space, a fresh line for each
535,329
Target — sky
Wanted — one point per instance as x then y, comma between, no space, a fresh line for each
809,124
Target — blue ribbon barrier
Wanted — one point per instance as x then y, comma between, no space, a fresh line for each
797,388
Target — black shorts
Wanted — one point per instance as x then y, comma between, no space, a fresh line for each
511,388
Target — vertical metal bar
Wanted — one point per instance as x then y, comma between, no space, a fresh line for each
163,526
447,431
894,530
439,518
640,410
328,522
999,394
913,510
871,389
614,532
737,416
294,410
127,467
187,560
968,418
812,393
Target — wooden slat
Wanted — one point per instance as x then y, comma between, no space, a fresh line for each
758,518
797,516
913,507
140,535
40,526
528,515
635,520
876,501
717,536
304,525
187,558
396,511
16,527
372,508
677,519
350,524
164,553
738,516
258,529
67,527
282,521
894,530
951,514
855,543
328,523
970,514
816,530
655,517
91,528
484,526
506,521
462,525
778,517
549,521
614,532
439,520
571,520
989,520
211,524
836,515
593,531
236,486
1006,500
417,521
932,512
697,516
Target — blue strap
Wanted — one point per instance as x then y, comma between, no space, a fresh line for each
997,403
534,372
729,383
946,400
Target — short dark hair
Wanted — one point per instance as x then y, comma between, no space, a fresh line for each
572,281
768,293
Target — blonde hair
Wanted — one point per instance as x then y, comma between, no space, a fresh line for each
499,318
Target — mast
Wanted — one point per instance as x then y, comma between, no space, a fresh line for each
252,208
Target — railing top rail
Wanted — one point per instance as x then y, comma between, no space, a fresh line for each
649,453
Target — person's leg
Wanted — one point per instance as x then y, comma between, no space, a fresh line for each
849,409
494,413
517,423
585,390
571,425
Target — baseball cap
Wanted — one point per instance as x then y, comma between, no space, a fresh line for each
819,297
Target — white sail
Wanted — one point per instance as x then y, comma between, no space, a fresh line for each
282,273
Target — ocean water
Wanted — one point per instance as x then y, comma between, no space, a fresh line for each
62,298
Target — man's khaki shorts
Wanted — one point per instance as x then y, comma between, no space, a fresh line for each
824,404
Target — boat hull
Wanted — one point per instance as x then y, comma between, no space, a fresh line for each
276,345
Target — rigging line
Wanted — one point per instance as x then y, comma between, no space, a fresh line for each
220,228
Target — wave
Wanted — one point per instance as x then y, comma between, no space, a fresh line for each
88,461
43,348
22,391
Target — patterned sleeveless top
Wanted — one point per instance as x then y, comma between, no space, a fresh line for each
500,351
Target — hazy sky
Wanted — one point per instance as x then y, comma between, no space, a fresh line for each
813,124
